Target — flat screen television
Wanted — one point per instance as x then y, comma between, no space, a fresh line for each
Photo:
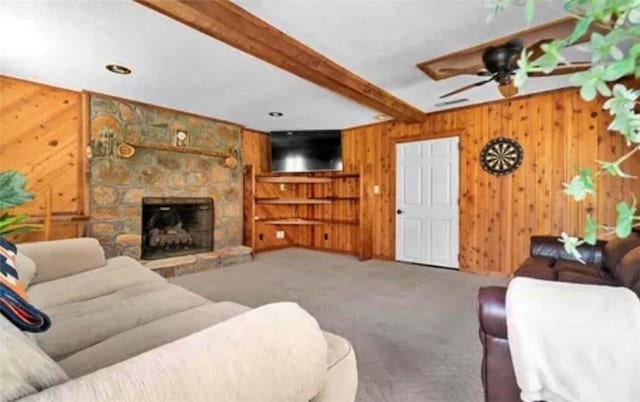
306,151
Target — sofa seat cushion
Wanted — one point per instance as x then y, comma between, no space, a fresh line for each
577,267
76,326
148,336
578,277
538,261
537,271
119,273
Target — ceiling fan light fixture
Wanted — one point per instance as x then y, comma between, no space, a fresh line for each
381,117
118,69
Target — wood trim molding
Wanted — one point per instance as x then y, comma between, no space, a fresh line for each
84,139
231,24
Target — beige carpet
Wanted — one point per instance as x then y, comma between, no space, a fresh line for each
414,328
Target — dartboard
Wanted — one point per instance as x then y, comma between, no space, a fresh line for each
501,156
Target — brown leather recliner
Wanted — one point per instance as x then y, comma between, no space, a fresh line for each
614,263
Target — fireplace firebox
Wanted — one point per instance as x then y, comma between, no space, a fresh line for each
176,226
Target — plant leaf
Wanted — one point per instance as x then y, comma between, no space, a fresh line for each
581,185
18,230
624,223
529,11
591,231
12,189
571,245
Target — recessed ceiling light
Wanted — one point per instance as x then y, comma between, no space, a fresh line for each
276,114
118,69
381,117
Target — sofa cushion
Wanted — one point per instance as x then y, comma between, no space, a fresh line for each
618,248
26,269
538,261
24,368
592,270
342,373
537,272
579,277
628,270
119,273
59,258
76,326
148,336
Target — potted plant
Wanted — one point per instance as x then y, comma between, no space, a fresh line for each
12,194
614,55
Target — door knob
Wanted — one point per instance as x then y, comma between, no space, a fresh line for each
399,212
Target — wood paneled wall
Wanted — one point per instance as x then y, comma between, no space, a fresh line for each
256,150
41,137
558,131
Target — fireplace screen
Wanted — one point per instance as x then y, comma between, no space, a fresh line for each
176,226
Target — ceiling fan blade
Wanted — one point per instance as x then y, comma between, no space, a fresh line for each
475,70
508,90
564,69
466,87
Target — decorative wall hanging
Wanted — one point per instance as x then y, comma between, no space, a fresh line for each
181,138
501,156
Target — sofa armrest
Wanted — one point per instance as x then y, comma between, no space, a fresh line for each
549,246
273,353
492,313
59,258
498,377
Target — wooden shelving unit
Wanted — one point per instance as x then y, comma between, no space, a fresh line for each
292,179
320,211
285,201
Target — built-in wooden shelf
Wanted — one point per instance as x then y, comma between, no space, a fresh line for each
285,201
293,179
321,211
291,221
304,221
340,198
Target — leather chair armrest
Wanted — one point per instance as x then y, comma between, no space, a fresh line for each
492,313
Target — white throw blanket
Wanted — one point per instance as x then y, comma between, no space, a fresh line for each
573,342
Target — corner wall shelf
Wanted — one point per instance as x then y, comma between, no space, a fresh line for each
284,201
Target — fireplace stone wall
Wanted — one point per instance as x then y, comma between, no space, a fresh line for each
118,185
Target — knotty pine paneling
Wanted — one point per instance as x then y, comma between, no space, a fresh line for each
40,136
558,131
256,150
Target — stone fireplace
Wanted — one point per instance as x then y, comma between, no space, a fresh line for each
158,203
174,226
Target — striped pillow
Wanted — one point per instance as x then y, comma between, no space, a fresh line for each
8,268
14,302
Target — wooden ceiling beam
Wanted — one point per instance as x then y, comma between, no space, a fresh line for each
231,24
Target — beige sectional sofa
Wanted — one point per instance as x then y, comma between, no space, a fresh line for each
122,333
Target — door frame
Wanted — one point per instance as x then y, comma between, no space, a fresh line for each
436,135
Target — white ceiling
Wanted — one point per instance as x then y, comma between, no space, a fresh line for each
68,42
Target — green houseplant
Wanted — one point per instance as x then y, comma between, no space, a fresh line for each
614,55
12,194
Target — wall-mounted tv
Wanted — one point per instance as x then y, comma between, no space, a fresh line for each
306,151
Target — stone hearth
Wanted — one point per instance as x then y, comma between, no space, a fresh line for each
189,264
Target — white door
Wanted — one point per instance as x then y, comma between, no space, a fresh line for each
427,210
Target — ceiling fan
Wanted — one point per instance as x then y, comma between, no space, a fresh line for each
500,63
